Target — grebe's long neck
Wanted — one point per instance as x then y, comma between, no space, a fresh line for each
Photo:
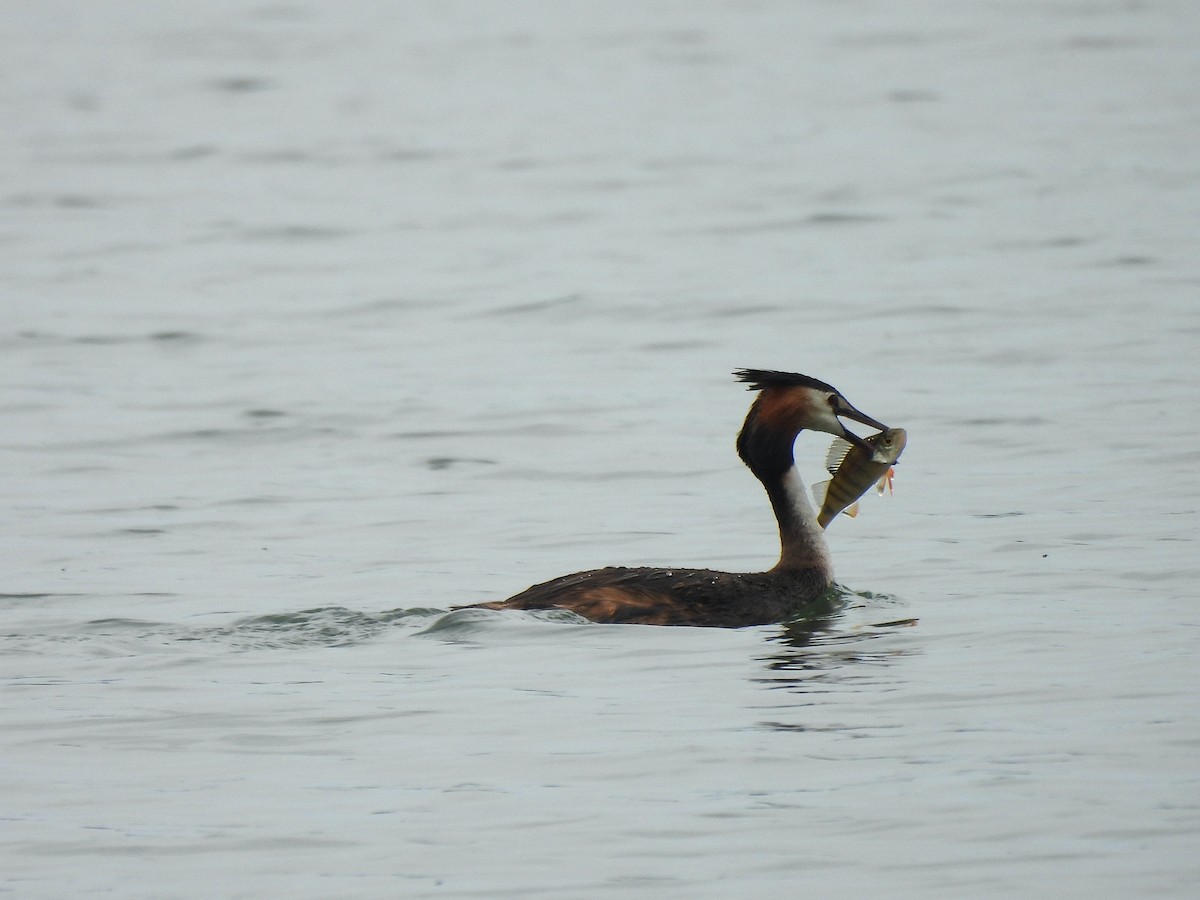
801,537
768,454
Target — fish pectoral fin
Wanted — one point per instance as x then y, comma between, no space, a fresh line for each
851,510
885,482
836,455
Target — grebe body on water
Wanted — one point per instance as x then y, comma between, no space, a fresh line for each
787,404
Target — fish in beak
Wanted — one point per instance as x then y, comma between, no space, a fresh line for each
854,471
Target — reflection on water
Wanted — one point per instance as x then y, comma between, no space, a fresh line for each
849,628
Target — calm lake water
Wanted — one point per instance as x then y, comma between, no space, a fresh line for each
319,319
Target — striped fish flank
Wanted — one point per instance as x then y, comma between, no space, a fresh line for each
854,471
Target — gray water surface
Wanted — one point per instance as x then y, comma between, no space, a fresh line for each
319,319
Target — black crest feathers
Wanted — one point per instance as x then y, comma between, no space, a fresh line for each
761,379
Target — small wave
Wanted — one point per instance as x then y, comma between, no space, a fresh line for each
329,626
332,626
473,625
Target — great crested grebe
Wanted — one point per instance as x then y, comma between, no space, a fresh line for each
787,404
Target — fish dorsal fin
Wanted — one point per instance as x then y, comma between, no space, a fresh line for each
819,490
836,455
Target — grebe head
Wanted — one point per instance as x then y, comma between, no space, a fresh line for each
790,402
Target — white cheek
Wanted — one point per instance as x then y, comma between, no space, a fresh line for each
825,420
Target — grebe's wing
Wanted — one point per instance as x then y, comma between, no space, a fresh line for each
646,596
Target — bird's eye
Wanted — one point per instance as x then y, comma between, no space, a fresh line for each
833,402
